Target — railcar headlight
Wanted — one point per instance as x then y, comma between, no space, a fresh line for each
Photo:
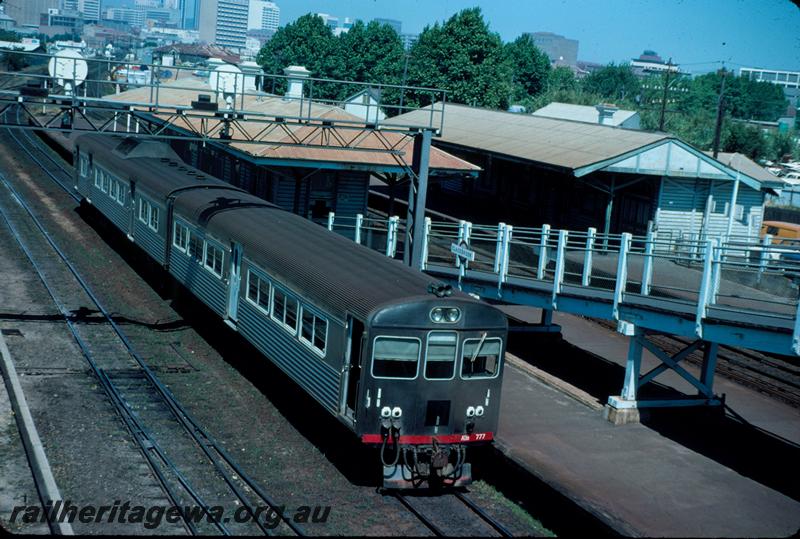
386,412
453,315
470,411
397,412
479,411
437,315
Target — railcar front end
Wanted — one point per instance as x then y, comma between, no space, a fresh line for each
430,387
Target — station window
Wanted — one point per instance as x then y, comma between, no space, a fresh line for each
314,331
258,290
480,358
395,357
284,310
213,260
180,237
440,358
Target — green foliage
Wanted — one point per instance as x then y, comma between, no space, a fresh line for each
613,82
745,139
530,67
7,35
307,42
463,57
781,144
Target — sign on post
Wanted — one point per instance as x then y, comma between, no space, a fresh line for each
462,252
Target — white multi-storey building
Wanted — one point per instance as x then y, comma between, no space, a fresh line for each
264,15
789,80
224,22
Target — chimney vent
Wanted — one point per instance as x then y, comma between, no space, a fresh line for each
297,76
605,113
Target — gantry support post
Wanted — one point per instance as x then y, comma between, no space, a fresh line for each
417,197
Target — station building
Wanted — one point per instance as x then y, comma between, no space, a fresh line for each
575,175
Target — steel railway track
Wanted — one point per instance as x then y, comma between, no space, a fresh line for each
486,524
190,465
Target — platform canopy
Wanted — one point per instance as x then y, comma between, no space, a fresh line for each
279,148
579,148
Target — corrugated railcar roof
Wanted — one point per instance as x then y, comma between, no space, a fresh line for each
334,271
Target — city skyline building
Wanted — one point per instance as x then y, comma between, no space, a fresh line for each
264,15
224,23
394,23
562,51
189,14
28,12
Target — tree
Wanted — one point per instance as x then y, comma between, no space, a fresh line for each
371,53
614,82
745,139
530,67
307,42
463,57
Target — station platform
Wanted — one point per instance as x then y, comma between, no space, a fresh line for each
679,473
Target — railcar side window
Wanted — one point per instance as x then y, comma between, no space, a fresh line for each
314,331
480,358
195,247
121,194
180,237
284,310
214,257
153,217
97,181
106,181
143,208
114,190
258,290
395,357
440,358
84,165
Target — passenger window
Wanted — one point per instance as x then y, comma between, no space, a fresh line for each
772,230
480,358
440,358
314,330
284,310
395,357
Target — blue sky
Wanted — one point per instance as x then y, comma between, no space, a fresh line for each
759,33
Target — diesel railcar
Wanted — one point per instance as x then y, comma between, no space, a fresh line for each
407,364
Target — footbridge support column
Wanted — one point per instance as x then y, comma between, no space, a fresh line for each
625,407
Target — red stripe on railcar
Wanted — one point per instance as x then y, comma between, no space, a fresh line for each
425,439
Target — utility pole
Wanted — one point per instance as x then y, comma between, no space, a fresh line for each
664,96
720,112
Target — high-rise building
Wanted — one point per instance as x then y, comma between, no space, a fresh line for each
90,10
224,22
559,49
264,15
68,5
134,17
190,14
394,23
330,21
409,40
28,11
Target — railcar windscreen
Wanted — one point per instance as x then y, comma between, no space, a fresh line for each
440,359
480,358
395,357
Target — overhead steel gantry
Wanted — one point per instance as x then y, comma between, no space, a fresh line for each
231,108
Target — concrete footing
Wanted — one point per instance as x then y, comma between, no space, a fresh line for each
621,416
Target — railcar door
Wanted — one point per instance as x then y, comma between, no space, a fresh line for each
234,281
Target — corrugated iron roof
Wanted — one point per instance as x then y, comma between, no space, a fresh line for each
276,106
560,143
745,165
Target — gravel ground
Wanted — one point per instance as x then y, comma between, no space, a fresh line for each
280,436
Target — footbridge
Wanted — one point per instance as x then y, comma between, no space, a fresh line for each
737,291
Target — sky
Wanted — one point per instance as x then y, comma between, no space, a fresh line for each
698,34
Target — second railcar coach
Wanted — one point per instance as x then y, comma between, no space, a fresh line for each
409,365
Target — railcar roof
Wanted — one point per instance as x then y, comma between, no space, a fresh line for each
327,267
